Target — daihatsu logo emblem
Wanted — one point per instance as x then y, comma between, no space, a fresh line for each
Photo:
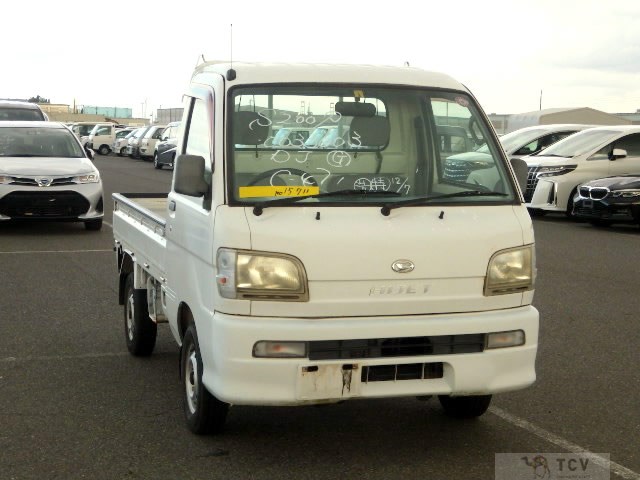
44,181
403,266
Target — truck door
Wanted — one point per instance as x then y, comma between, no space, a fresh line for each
189,231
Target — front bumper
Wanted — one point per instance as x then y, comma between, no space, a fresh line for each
66,202
605,211
235,376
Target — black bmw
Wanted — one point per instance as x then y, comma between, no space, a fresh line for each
609,200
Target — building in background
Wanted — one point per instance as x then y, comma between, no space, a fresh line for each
168,115
550,116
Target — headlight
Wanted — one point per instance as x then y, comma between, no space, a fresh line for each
620,193
554,171
260,276
88,178
510,271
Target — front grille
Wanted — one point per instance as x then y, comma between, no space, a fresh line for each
46,204
32,182
396,347
392,373
532,182
595,193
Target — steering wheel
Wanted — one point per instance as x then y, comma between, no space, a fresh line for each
473,124
283,171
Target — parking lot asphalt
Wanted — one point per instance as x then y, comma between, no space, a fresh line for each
74,404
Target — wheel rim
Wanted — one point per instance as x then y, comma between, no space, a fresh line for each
123,151
130,310
191,380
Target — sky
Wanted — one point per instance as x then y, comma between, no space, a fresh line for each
140,54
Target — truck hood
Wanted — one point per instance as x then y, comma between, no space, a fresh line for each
45,166
348,254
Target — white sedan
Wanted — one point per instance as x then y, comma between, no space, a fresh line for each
45,174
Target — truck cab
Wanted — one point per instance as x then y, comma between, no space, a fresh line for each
295,275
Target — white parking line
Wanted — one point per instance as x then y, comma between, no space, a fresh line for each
47,358
616,468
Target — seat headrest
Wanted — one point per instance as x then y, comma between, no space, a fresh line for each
369,131
249,128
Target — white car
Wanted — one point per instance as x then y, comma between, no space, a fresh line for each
516,144
46,174
149,140
555,173
531,140
119,146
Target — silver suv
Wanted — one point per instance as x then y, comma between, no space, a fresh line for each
18,110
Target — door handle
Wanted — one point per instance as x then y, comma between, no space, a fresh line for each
172,206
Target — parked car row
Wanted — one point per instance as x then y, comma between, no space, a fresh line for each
153,142
584,171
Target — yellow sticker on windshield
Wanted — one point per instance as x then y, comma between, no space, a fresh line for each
268,191
358,93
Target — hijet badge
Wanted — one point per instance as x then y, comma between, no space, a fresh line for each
328,382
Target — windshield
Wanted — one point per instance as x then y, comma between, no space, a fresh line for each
20,114
579,143
364,139
38,142
514,140
83,130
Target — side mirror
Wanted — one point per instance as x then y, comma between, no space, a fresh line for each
188,176
617,153
89,153
521,171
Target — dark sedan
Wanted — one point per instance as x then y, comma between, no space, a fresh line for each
609,200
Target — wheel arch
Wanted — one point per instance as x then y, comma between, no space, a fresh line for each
125,267
185,318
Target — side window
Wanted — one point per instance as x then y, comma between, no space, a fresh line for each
630,143
198,134
529,148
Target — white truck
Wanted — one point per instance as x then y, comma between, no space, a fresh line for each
295,276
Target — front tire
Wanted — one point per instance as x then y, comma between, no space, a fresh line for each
157,166
465,407
123,152
93,225
139,330
104,150
204,412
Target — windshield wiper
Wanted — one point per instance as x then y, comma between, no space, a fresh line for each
386,209
258,207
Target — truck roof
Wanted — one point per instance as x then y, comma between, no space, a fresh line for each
256,73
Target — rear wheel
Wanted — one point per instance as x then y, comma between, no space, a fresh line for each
204,412
465,407
104,150
139,330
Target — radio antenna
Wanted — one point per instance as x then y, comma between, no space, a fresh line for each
231,73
